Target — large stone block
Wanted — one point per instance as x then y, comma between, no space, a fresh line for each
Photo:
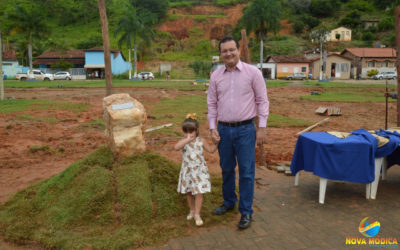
124,118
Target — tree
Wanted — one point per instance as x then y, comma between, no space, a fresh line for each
29,22
106,45
157,7
262,16
134,25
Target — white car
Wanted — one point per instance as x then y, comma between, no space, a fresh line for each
62,75
386,75
146,76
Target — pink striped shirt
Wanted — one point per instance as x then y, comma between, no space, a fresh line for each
237,95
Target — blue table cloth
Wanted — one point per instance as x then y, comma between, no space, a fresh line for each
350,159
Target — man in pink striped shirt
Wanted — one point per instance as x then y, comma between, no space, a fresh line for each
236,95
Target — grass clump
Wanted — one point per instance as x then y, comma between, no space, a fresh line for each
279,121
40,148
101,203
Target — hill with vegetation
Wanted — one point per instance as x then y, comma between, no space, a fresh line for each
185,32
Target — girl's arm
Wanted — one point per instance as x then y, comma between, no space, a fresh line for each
181,143
209,147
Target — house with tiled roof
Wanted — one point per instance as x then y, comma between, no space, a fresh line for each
94,62
337,66
87,63
50,57
10,63
365,59
288,64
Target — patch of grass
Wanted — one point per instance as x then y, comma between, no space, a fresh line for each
19,105
105,204
347,85
157,84
40,148
340,96
32,118
279,121
276,83
94,123
175,110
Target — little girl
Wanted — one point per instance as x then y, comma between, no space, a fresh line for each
194,179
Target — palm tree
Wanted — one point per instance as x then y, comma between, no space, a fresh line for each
135,24
262,16
29,22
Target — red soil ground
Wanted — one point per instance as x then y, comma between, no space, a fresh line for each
19,167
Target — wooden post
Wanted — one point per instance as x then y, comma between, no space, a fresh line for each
386,104
106,46
397,21
245,54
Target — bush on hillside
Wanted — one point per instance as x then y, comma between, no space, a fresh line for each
351,20
368,36
386,23
201,68
360,5
298,26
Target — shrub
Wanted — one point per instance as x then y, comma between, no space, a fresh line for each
368,36
386,23
201,68
298,26
372,72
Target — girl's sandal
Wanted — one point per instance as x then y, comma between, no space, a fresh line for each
190,215
198,220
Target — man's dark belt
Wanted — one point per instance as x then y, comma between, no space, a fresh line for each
236,124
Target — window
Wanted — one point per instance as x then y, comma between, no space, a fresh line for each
371,64
344,67
347,33
7,64
385,64
285,69
303,69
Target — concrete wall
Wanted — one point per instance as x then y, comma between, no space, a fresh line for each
285,69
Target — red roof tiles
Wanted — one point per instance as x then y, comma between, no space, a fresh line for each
371,52
9,55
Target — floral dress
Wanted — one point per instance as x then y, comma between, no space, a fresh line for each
194,177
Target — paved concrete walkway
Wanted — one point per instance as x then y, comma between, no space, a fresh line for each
289,217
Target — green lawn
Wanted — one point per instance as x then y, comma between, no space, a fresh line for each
347,96
19,105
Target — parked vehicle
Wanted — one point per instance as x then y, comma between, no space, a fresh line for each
296,76
34,74
386,75
62,75
146,76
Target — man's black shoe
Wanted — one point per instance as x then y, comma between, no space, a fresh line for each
245,221
222,210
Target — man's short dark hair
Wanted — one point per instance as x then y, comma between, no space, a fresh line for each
227,39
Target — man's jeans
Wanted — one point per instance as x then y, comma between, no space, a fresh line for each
237,145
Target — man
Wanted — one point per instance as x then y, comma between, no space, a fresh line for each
237,92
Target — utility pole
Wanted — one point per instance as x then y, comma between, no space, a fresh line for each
397,21
320,60
106,46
